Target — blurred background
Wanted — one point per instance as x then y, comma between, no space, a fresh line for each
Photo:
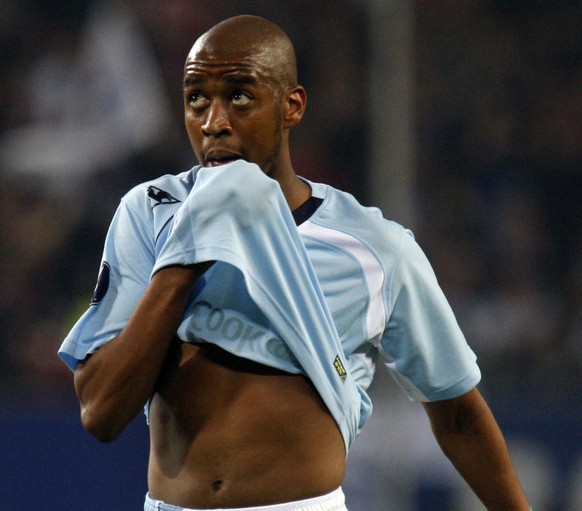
460,118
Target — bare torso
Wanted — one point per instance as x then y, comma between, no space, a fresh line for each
226,432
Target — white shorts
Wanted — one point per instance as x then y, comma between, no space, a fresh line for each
334,501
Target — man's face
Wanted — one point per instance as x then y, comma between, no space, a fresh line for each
232,107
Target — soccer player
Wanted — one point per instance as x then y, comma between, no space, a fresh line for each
246,307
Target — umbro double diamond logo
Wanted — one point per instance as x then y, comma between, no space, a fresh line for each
161,196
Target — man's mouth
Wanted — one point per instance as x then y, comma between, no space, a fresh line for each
214,159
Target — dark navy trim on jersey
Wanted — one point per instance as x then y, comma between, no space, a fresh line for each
304,212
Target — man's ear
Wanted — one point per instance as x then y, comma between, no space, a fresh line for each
294,106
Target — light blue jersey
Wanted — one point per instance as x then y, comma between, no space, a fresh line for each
368,291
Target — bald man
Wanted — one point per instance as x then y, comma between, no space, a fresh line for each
245,307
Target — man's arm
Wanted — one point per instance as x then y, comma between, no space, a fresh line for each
116,381
470,437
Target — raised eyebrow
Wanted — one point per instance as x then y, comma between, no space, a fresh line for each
193,80
241,80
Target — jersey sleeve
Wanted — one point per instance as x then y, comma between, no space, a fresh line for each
423,345
128,259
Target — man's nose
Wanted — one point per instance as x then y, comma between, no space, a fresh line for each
216,123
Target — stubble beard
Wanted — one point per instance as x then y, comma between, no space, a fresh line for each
272,163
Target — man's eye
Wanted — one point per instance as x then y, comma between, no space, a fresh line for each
196,100
241,99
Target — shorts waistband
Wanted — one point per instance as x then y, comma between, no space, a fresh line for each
334,501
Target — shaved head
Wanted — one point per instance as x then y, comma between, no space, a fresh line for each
241,96
251,34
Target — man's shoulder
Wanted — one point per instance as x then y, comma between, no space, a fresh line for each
341,210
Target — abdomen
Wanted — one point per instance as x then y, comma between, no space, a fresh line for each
228,432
